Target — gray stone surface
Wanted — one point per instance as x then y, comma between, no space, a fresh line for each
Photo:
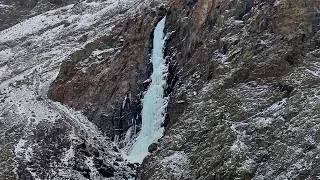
246,103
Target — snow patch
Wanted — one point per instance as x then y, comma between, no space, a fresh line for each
277,3
19,148
5,6
177,163
29,26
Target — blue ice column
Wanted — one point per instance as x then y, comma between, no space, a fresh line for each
154,102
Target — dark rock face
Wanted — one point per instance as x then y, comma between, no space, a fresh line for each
244,104
105,79
107,171
152,147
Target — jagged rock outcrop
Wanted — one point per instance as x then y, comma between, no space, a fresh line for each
246,102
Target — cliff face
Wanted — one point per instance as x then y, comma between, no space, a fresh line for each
105,79
97,40
246,103
243,84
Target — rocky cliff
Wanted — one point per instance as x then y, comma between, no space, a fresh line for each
106,78
97,43
246,103
243,84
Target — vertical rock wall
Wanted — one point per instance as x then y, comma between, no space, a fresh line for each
105,78
247,79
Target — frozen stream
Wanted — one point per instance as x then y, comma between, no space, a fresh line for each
154,102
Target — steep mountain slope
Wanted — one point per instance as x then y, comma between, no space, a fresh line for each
42,139
15,11
243,82
246,103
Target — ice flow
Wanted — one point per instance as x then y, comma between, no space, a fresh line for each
154,102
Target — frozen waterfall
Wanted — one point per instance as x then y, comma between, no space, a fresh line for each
154,102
